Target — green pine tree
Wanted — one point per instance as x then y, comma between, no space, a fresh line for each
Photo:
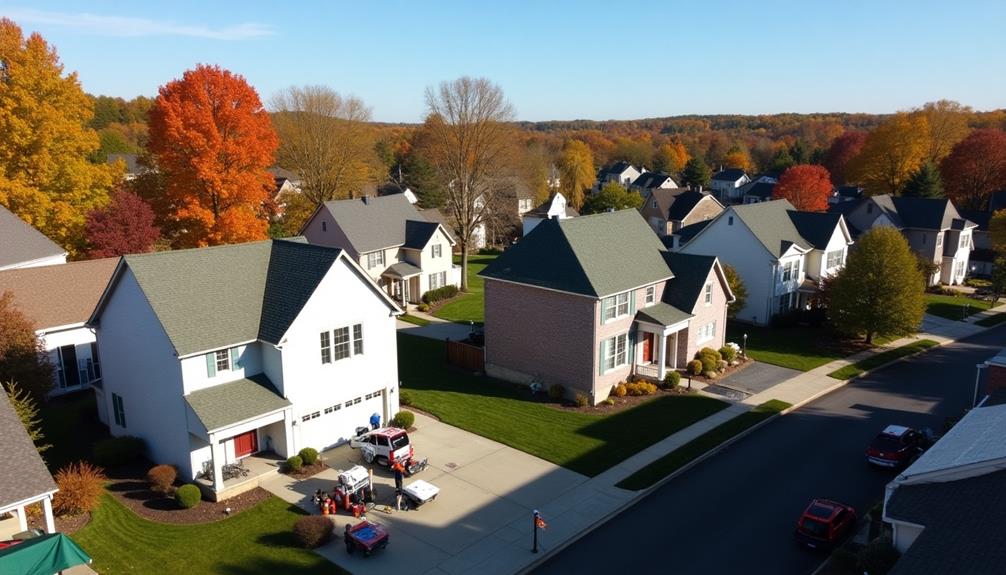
696,173
924,183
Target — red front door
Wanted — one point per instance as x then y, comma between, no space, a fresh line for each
245,444
648,348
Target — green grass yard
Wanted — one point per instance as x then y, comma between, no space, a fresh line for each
864,365
583,442
801,348
469,306
414,320
953,306
258,540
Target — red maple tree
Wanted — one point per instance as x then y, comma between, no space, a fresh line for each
842,149
806,186
975,168
124,226
213,141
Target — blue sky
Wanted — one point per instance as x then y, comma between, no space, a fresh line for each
554,59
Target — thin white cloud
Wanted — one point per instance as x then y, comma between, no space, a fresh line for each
126,26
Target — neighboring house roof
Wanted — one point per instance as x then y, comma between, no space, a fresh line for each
925,213
959,519
690,273
229,403
771,225
209,298
283,174
373,223
20,243
817,228
58,295
683,203
663,313
596,255
615,169
976,438
686,233
729,175
418,233
652,180
23,474
758,189
541,211
850,192
402,270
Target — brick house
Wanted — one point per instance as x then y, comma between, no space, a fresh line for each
587,302
669,210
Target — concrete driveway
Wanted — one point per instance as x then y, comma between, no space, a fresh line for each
757,377
481,517
436,330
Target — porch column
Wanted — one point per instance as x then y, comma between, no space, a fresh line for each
674,352
661,355
217,452
22,518
47,509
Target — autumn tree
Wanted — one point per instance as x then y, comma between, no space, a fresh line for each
213,141
880,291
576,171
806,186
948,124
924,183
696,173
997,231
842,150
46,177
471,144
892,152
22,356
737,157
612,196
124,226
781,161
325,139
975,168
636,152
670,158
738,288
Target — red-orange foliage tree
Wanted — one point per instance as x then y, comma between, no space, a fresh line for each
806,186
843,149
975,168
213,141
125,226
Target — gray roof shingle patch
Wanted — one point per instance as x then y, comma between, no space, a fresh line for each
23,474
758,189
21,243
402,270
926,213
662,314
418,233
683,204
596,255
651,180
690,274
294,272
815,227
729,175
614,169
373,223
771,224
230,403
688,232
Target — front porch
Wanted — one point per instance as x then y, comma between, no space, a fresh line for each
256,469
660,331
401,281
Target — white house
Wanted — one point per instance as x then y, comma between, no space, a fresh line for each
726,184
781,254
58,300
622,172
649,181
212,355
555,207
22,246
401,249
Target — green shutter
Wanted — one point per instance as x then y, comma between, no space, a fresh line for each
632,302
235,358
631,347
211,364
602,358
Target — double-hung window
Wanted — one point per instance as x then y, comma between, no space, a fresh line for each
118,411
326,347
651,295
615,306
375,259
341,336
437,250
963,242
223,359
358,339
787,271
615,354
835,259
709,293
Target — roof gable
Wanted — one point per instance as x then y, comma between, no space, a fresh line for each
294,272
373,223
816,227
770,223
652,180
418,233
729,175
23,474
21,243
683,203
690,275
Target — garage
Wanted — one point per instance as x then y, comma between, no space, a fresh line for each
333,424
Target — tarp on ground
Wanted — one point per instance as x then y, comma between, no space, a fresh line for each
43,555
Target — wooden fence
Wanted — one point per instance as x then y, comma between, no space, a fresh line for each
466,356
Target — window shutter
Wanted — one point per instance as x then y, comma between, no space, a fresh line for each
235,358
603,357
632,302
211,364
631,359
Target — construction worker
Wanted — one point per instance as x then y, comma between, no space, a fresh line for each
399,477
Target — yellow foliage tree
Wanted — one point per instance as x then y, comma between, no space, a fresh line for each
671,158
948,124
893,151
576,171
45,175
737,158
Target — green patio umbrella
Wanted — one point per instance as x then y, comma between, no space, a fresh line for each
44,555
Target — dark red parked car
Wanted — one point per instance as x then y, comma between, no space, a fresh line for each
896,446
824,524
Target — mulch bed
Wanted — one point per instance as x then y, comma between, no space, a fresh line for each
308,470
65,524
129,485
720,376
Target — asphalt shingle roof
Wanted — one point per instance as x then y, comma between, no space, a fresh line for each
21,243
817,228
374,223
771,224
418,233
58,295
758,189
662,314
690,273
686,233
729,175
293,272
651,180
684,203
595,255
615,169
223,405
403,270
23,474
926,213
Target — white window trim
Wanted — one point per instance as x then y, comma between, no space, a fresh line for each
650,297
611,350
707,293
616,304
707,332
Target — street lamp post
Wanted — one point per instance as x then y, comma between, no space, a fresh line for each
744,347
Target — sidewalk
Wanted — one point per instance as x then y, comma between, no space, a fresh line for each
437,329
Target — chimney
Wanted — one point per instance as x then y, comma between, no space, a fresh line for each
366,200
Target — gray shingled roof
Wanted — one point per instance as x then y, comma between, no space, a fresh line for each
690,273
686,233
926,213
757,189
662,314
652,180
596,255
729,175
614,169
771,224
402,270
418,233
21,243
816,227
960,519
684,203
373,223
223,405
23,474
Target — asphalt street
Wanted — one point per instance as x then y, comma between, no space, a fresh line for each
735,512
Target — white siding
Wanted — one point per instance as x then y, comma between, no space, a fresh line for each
818,260
195,377
79,337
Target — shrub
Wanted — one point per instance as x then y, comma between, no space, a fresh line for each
161,478
405,397
490,251
695,367
423,307
728,353
440,294
672,379
639,388
116,451
608,401
403,419
709,357
313,531
556,392
977,283
581,400
709,374
786,319
308,456
294,463
620,390
188,496
80,487
721,365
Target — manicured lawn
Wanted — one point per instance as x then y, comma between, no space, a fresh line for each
872,362
258,540
992,320
953,306
414,320
702,444
583,442
468,306
802,348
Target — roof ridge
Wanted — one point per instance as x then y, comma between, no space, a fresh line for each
204,248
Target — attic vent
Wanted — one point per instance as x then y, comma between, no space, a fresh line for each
324,226
730,220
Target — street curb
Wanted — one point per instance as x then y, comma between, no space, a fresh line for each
904,357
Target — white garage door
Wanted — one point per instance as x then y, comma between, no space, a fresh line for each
334,424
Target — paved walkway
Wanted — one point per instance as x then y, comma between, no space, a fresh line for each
437,329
